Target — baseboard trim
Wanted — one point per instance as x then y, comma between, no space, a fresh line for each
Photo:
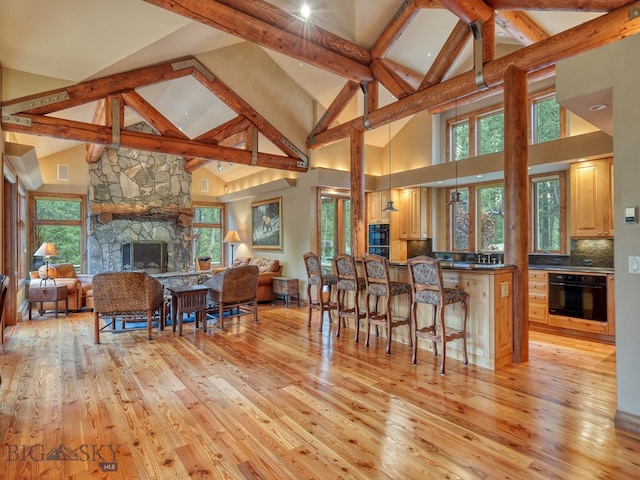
627,421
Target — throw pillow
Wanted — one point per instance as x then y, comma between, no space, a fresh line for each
42,271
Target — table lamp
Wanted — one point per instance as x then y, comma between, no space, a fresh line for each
231,238
46,250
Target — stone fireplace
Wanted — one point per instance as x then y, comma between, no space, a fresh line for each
138,196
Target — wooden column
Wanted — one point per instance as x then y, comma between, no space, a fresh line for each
357,193
516,192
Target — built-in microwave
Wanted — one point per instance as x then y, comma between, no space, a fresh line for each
379,235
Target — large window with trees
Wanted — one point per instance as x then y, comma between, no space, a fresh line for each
548,213
60,219
482,132
207,229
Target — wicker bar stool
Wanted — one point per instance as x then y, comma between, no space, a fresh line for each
315,278
348,281
376,272
428,288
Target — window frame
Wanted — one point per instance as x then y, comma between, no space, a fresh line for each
221,226
340,218
81,223
562,177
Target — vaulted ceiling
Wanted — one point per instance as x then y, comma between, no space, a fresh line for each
365,63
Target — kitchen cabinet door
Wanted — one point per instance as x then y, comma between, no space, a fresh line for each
376,201
538,299
414,213
592,199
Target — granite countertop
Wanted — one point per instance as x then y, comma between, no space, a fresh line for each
572,268
447,265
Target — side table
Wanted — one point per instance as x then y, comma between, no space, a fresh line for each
285,287
45,293
186,299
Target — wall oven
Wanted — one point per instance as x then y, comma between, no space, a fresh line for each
379,239
578,296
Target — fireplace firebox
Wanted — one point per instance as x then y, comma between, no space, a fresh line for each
147,255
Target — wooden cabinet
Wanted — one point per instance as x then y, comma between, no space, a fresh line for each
592,199
414,213
538,297
376,201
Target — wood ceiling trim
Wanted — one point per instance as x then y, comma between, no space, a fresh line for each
520,26
400,21
602,30
559,5
237,23
227,129
94,90
337,106
286,21
458,38
469,10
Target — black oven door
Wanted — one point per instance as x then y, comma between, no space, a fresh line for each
578,296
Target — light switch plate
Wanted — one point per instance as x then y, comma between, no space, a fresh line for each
634,265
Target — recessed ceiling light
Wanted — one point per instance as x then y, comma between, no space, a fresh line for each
305,11
478,176
582,159
598,106
429,55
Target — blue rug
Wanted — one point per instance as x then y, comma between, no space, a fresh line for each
142,324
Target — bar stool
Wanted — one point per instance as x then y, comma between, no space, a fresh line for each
317,279
348,281
428,288
376,272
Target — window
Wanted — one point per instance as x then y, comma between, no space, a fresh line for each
482,132
60,219
335,225
491,133
547,206
546,119
207,229
491,217
459,225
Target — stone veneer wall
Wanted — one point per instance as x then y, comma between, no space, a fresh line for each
126,178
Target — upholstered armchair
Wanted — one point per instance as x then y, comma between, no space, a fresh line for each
235,291
126,296
79,286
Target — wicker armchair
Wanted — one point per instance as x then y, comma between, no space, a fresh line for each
234,290
127,296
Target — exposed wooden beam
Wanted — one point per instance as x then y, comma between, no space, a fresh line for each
408,76
94,151
469,10
394,29
448,53
597,32
337,106
226,130
151,115
87,132
93,90
520,26
238,105
283,20
392,82
240,24
357,178
559,5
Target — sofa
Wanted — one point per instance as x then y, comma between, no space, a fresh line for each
79,287
267,270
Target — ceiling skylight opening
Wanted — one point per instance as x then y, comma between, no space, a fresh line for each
305,11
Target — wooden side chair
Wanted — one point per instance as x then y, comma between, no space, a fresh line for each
348,281
379,285
426,282
316,279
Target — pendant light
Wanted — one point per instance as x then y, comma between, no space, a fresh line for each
455,198
389,206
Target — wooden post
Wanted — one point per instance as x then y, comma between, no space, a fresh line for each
516,192
357,193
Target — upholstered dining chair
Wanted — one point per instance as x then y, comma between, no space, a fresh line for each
348,283
428,288
319,280
379,285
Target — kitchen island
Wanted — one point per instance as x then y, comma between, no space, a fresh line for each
490,317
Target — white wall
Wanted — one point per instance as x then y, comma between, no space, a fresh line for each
617,65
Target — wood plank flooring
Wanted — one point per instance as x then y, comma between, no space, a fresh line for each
276,400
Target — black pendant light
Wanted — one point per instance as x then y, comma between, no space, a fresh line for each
389,206
455,197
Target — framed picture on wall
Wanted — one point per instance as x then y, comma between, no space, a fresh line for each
266,224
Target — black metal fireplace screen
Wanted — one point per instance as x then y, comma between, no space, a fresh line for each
146,255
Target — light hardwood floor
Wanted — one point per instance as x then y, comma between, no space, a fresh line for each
276,400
